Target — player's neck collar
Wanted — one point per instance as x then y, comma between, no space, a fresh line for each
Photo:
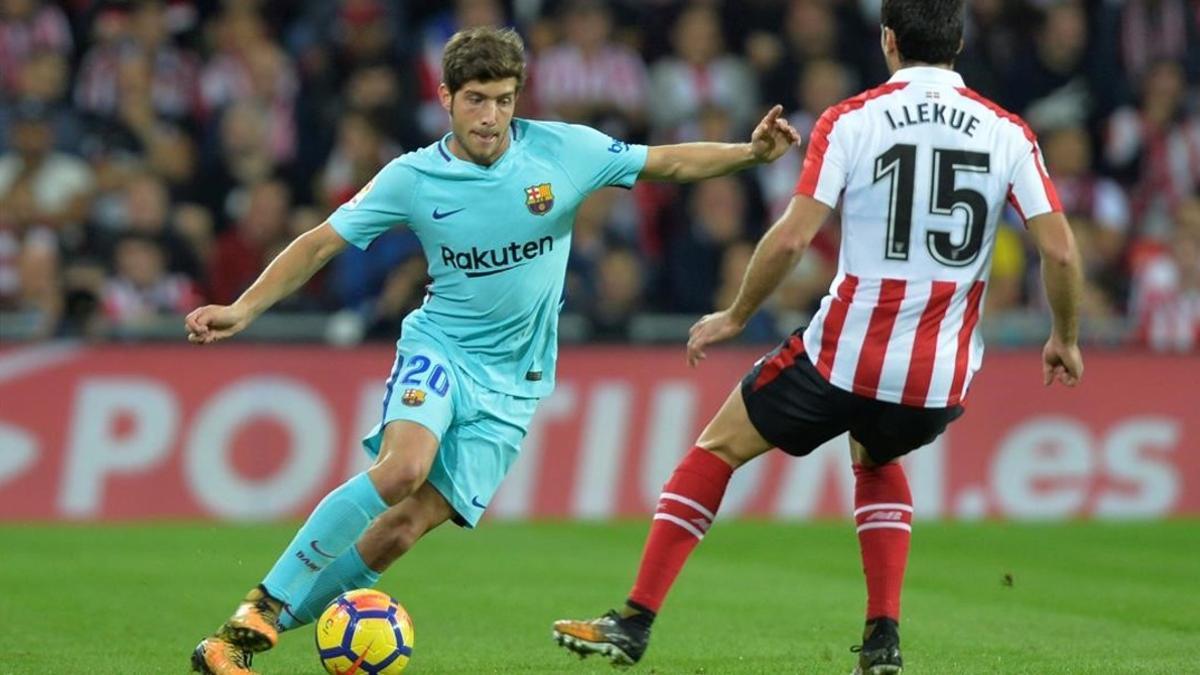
443,147
930,74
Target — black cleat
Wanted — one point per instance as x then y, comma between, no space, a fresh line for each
879,653
621,640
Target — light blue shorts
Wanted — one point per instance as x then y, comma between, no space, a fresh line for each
479,430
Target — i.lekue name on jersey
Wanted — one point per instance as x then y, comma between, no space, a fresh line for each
932,113
479,263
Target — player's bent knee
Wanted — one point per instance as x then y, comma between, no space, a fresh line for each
404,460
396,477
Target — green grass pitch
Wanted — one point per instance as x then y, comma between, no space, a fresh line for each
756,598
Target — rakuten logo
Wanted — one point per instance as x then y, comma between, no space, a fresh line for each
483,262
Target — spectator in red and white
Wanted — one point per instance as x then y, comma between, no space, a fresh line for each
141,287
1166,301
28,27
58,185
247,66
589,78
1158,146
1159,30
1097,207
1081,190
699,73
143,34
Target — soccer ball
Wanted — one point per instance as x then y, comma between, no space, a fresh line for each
364,631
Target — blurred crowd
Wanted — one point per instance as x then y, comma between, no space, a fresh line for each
155,154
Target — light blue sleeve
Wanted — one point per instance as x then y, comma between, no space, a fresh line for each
381,204
595,160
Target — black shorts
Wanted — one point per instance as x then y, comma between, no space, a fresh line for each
796,409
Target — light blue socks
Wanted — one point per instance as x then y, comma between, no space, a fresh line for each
345,574
337,522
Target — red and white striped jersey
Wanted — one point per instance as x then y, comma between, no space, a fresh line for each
925,165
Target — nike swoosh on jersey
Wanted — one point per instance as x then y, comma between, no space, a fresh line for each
438,215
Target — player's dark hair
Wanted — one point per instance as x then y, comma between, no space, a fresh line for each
927,31
483,54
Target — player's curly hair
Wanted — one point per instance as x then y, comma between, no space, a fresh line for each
484,54
927,31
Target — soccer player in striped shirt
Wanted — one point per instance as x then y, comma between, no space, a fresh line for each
923,167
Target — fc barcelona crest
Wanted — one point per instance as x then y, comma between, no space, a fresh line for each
413,397
539,199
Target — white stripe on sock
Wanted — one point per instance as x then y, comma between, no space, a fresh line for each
680,522
874,526
877,507
692,503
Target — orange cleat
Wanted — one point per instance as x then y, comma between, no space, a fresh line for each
215,656
254,626
619,640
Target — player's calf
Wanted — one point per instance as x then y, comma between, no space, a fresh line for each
622,640
879,653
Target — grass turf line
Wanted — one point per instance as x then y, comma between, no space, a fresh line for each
756,598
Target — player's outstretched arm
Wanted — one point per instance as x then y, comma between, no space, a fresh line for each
1063,279
288,271
687,162
776,254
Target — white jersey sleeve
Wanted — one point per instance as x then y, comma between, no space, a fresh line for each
1032,194
831,148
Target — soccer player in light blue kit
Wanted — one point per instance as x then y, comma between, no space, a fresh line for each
492,203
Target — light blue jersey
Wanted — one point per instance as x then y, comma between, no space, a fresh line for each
496,239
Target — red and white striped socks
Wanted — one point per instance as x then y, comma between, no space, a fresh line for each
883,513
686,509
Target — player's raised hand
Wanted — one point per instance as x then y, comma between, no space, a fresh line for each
215,322
773,136
1062,362
710,329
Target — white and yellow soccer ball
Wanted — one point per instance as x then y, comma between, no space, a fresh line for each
364,632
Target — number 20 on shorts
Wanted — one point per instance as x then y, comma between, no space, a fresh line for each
418,372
